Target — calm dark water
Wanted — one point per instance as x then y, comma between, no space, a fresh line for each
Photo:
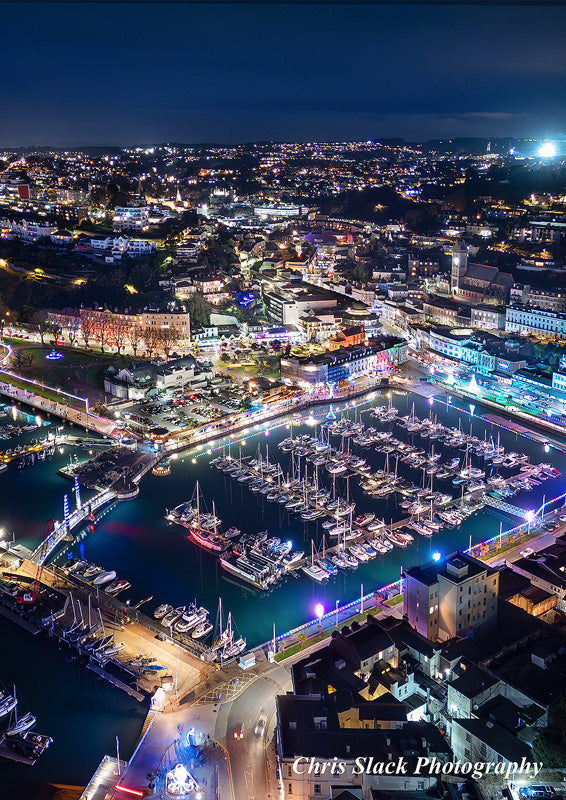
82,713
157,558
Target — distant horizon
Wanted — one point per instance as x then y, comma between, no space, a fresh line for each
559,138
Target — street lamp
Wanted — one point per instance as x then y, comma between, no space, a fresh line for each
529,516
319,610
337,612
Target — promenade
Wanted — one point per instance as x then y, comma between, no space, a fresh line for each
65,412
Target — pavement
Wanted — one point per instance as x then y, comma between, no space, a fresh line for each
226,768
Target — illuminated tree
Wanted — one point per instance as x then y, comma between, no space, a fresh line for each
151,340
87,327
167,338
134,337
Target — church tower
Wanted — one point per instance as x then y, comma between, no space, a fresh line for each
459,265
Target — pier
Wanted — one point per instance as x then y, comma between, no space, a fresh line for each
184,662
124,687
501,505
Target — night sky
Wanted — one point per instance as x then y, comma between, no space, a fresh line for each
89,73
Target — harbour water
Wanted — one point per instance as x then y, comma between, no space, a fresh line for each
158,559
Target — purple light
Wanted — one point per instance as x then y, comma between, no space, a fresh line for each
319,610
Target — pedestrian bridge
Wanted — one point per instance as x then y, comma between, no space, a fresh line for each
501,505
62,529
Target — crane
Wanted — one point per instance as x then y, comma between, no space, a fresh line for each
29,597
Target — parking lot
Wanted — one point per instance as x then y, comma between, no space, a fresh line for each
178,410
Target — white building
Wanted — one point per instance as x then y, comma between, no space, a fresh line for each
131,218
26,230
538,321
451,597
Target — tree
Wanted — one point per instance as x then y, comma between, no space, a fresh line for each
119,334
4,318
103,330
151,340
55,328
167,338
134,336
199,310
72,325
361,273
87,327
40,321
151,778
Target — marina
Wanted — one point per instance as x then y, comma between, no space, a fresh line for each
483,473
163,567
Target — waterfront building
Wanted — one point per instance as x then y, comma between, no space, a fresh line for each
445,311
277,211
547,571
485,353
518,590
139,380
524,319
353,698
344,363
402,315
347,337
488,317
452,597
149,330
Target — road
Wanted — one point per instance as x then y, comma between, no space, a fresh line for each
251,758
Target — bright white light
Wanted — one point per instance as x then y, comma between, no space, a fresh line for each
547,150
529,516
436,556
473,387
319,610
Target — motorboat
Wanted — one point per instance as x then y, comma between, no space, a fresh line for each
114,648
173,616
104,577
118,586
364,519
202,629
162,610
91,571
